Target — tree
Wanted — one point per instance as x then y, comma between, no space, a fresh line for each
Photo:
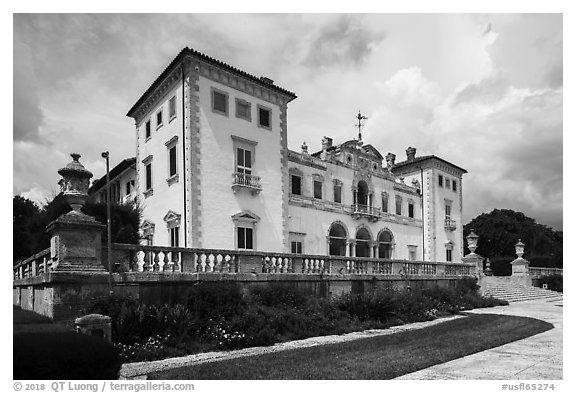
500,230
23,211
30,235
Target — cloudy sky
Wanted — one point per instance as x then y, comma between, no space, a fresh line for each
484,91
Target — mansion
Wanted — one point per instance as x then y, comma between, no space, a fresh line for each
212,170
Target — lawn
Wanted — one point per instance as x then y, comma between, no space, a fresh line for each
383,357
25,321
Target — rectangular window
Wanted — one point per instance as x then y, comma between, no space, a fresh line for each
399,206
296,247
243,110
454,186
219,102
159,119
448,255
338,193
296,185
317,189
440,180
412,252
129,186
245,239
385,203
174,236
410,210
148,132
447,183
264,117
448,211
149,176
243,161
172,161
172,108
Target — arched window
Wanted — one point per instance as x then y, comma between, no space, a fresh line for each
385,244
337,239
363,240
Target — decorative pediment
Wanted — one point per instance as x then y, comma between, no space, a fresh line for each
171,216
172,219
371,151
245,216
147,228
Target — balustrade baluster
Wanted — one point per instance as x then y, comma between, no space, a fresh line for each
161,264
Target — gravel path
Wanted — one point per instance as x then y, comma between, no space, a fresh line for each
140,370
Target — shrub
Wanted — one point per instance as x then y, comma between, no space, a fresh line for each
554,281
64,355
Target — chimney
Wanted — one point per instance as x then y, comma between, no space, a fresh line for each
266,80
390,159
326,143
410,153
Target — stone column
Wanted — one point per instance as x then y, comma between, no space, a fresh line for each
352,243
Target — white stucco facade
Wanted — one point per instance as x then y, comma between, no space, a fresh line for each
215,172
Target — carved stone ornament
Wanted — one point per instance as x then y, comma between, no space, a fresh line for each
75,183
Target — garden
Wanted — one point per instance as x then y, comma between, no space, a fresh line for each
226,316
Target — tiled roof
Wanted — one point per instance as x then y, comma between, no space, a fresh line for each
117,170
187,51
425,158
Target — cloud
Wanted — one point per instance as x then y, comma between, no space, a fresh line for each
28,114
344,42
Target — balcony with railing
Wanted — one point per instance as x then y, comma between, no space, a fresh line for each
449,224
246,181
365,211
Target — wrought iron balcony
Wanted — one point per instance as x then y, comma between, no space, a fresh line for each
369,212
246,181
450,224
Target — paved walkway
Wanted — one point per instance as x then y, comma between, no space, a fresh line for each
534,358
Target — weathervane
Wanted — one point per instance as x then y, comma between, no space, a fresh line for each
360,125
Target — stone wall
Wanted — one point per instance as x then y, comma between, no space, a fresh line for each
65,296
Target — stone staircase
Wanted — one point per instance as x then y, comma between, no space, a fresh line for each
503,289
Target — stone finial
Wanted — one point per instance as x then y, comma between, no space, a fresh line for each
472,240
410,153
75,183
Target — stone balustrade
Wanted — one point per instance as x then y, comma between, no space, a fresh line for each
33,266
139,258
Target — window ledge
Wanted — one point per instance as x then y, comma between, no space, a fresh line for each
219,112
148,193
265,127
172,118
148,138
159,126
172,179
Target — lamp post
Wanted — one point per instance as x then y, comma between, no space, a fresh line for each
106,155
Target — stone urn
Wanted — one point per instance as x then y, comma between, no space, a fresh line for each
75,183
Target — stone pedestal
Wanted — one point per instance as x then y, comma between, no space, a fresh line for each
521,271
76,243
476,260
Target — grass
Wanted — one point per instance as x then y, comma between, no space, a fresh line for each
25,321
383,357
